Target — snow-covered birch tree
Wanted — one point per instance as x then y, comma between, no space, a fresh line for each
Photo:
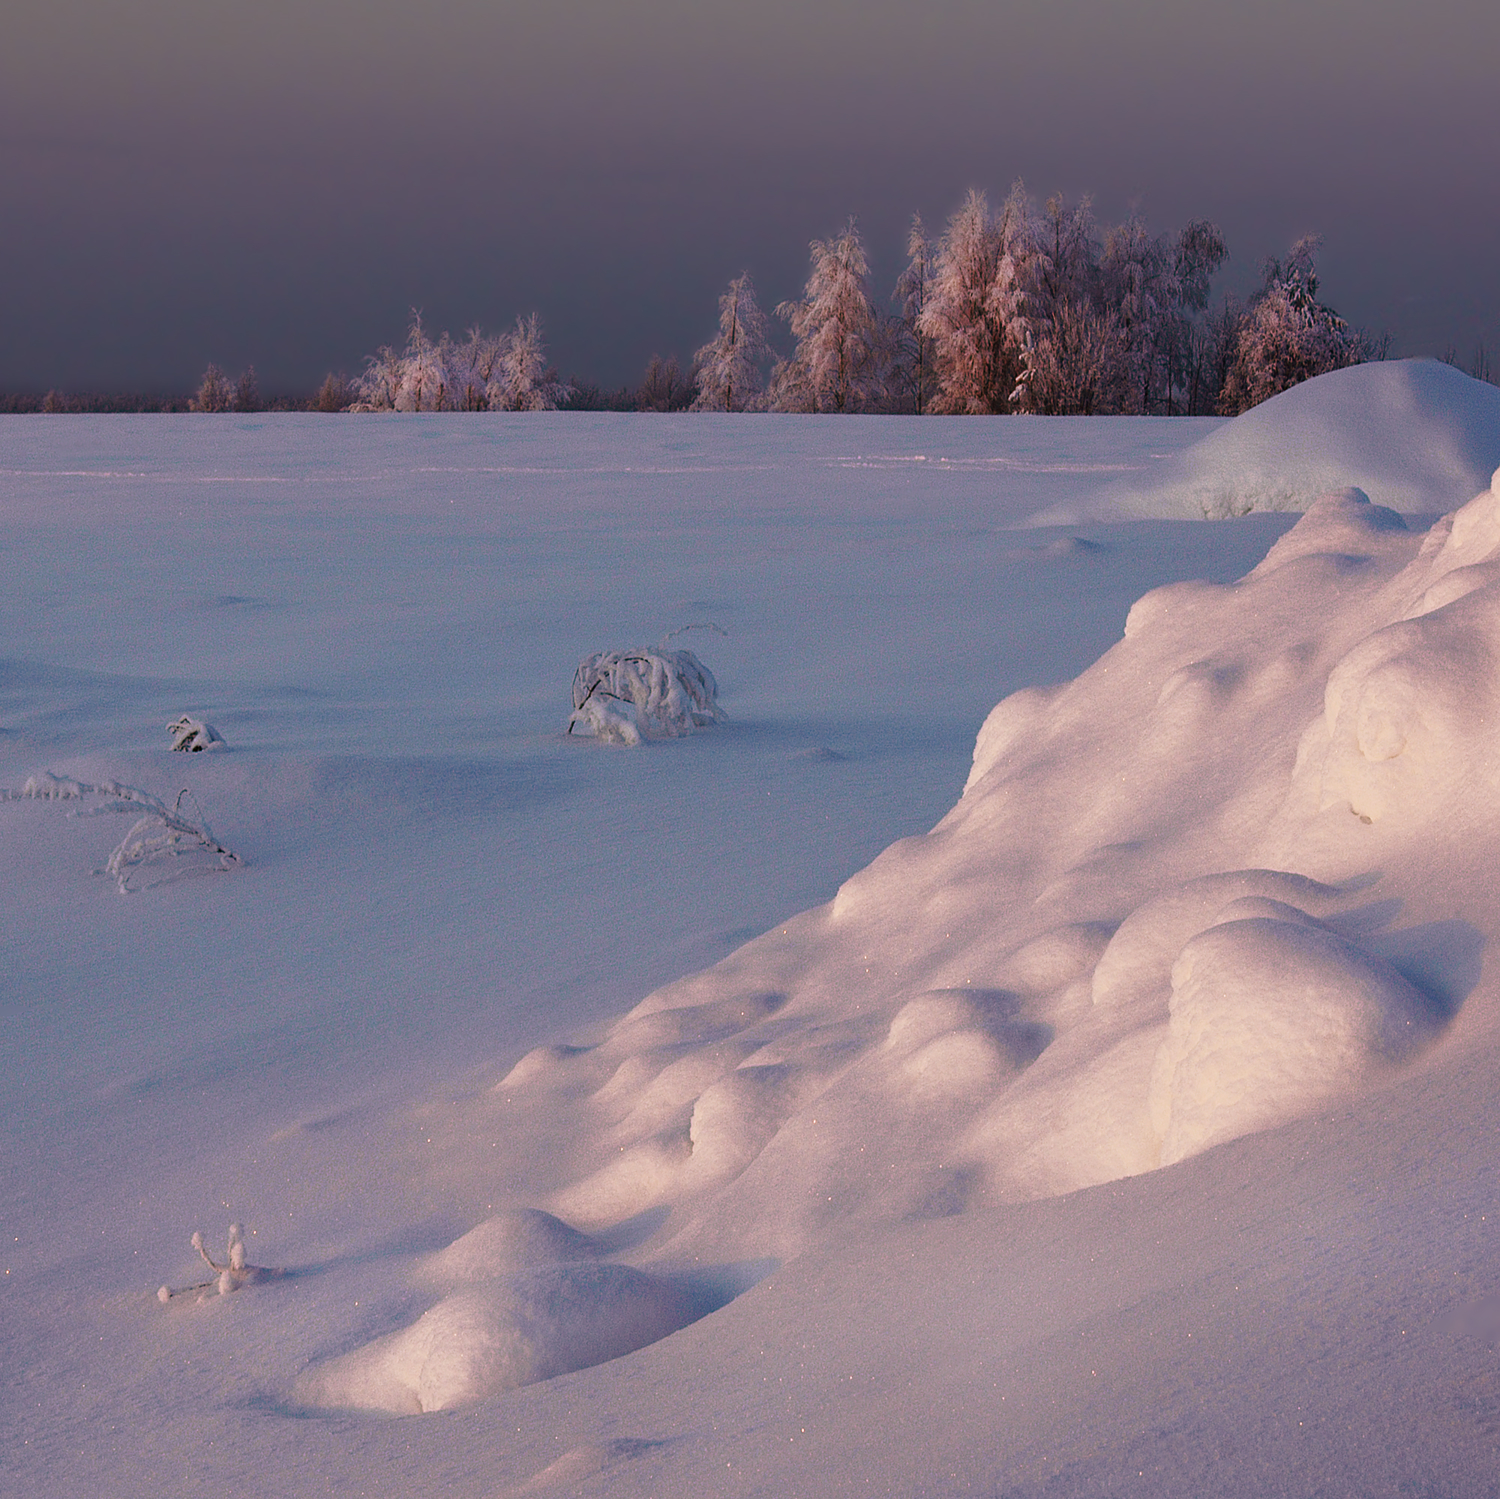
729,366
835,366
423,384
1071,357
523,381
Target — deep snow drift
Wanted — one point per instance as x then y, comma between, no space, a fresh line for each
1132,1125
1415,434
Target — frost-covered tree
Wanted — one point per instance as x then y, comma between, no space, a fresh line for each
1189,351
1072,356
214,393
376,388
664,387
835,366
1287,335
247,392
1139,291
1073,368
472,365
423,384
975,309
729,366
477,373
336,393
912,373
523,380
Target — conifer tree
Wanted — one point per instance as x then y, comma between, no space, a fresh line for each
1287,335
913,367
971,313
215,393
729,373
835,365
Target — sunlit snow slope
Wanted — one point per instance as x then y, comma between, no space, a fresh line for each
1415,434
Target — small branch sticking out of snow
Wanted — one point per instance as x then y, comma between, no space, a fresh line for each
626,696
192,735
703,624
230,1276
163,833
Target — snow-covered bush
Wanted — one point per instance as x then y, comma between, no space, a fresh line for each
192,735
626,696
505,373
162,833
1288,335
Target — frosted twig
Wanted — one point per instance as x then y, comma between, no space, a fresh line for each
162,833
193,735
230,1276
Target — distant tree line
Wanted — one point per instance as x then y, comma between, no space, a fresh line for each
1015,308
1021,309
1018,308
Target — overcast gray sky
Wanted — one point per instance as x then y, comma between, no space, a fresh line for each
279,182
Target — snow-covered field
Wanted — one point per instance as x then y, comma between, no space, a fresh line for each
1132,1131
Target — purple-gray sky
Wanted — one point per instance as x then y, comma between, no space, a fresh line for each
278,182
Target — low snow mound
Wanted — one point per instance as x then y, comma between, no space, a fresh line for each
1416,435
1168,910
624,697
498,1336
508,1242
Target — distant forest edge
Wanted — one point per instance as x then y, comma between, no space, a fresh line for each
1018,309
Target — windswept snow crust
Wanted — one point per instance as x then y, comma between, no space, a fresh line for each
1416,435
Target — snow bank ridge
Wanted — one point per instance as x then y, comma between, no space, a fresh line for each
1152,924
1415,434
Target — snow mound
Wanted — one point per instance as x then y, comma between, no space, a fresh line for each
510,1241
1268,1017
623,697
1415,434
478,1342
1153,922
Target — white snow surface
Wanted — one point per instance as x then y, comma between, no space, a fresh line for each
634,1124
1414,434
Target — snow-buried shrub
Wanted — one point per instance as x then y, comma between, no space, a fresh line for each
507,1332
626,696
193,735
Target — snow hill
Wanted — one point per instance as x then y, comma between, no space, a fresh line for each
1414,434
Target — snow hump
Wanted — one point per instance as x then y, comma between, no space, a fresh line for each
1416,435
